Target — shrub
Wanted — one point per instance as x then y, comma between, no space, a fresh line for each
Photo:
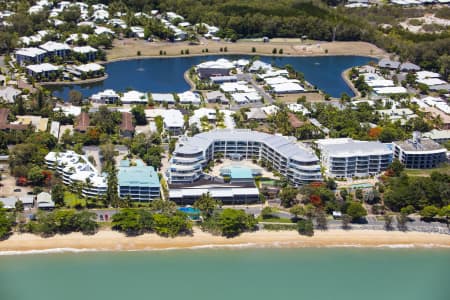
305,227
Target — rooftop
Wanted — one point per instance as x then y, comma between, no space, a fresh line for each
138,175
346,147
423,144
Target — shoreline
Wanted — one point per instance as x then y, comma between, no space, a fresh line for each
350,84
79,82
107,240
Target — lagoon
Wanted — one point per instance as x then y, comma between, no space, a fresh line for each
165,75
234,273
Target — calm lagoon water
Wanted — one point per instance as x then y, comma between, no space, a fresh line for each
165,75
346,273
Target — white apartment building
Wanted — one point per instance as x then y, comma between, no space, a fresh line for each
76,170
287,157
345,158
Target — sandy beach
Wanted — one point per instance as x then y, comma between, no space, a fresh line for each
107,240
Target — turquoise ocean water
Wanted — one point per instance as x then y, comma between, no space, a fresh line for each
323,273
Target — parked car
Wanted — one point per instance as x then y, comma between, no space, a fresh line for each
17,190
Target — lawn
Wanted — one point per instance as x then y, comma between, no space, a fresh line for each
426,172
276,220
71,200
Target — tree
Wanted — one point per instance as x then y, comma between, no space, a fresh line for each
297,210
5,222
346,219
321,220
288,196
402,220
76,97
139,115
388,219
429,212
305,227
356,211
19,206
58,194
233,222
35,176
171,225
396,167
207,204
112,197
132,221
163,206
85,222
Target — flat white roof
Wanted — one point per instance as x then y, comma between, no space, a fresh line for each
287,87
51,46
390,90
45,67
134,96
84,49
92,67
30,52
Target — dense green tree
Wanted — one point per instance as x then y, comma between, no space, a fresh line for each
429,212
139,115
207,204
288,196
132,221
5,222
356,211
305,227
163,206
58,194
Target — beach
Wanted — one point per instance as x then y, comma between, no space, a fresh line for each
108,240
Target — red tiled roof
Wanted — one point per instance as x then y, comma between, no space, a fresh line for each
294,121
82,122
127,122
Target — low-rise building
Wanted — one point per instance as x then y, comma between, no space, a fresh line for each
439,136
163,98
419,153
173,119
216,97
43,71
126,127
31,55
107,96
220,67
56,49
89,52
134,97
82,122
189,97
138,181
346,158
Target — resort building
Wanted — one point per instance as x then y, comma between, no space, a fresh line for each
290,159
138,181
134,97
439,136
163,98
346,158
189,97
90,70
173,119
107,97
126,127
220,67
44,70
87,51
216,97
77,172
26,56
419,153
56,49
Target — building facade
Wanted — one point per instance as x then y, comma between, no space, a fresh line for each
346,158
418,153
290,159
139,182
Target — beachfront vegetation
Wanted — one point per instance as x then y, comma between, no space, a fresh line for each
229,222
207,205
6,222
139,221
62,221
305,227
